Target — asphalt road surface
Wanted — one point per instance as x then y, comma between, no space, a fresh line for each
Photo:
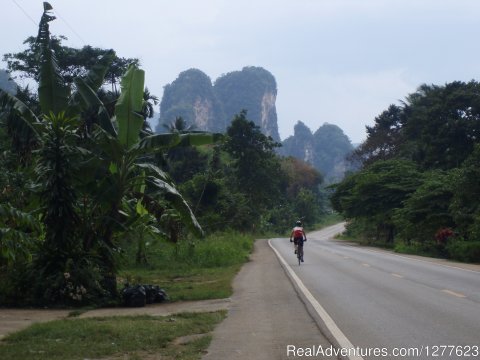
389,305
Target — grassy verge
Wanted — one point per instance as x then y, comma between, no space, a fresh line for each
187,283
187,271
198,270
182,336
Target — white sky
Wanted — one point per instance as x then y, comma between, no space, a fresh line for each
336,61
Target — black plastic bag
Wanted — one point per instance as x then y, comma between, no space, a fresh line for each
134,296
160,294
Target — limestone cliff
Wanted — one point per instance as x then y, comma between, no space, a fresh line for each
191,97
326,150
253,89
212,107
7,84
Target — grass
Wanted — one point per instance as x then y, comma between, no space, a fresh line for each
126,337
187,271
192,270
187,283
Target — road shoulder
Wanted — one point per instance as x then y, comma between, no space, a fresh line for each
266,318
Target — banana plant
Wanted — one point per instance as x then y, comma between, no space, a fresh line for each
114,157
120,143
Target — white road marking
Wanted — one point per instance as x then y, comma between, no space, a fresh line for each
453,293
419,260
339,336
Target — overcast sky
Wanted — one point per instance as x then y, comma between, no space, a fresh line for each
336,61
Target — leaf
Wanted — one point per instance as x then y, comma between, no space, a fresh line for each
129,106
91,100
177,201
26,114
52,92
113,168
96,76
141,210
94,80
158,142
155,170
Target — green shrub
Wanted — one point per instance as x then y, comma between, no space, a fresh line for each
426,248
216,250
467,251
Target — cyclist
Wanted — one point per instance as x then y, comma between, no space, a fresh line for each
298,236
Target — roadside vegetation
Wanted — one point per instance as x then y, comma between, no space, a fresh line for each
127,337
417,187
92,199
191,270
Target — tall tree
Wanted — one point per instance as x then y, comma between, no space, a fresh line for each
383,139
108,170
256,168
442,124
72,62
375,192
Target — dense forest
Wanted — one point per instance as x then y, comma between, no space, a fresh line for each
418,186
83,175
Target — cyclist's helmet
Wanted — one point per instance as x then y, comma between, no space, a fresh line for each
298,223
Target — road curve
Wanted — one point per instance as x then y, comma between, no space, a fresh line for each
381,300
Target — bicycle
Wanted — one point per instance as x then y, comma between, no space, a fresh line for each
300,254
299,248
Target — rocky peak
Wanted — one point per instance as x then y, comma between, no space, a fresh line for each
212,107
325,150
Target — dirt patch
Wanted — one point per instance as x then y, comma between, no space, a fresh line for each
12,320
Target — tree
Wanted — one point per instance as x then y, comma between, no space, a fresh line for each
256,169
426,210
300,176
464,205
375,192
442,124
72,62
383,139
149,100
92,187
179,126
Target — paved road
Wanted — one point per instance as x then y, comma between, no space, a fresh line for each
379,299
266,315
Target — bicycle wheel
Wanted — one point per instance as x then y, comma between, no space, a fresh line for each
299,255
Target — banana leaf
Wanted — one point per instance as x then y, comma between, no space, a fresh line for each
158,142
23,110
94,80
129,106
176,200
52,92
90,98
155,170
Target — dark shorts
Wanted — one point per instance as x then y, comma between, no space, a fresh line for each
298,241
